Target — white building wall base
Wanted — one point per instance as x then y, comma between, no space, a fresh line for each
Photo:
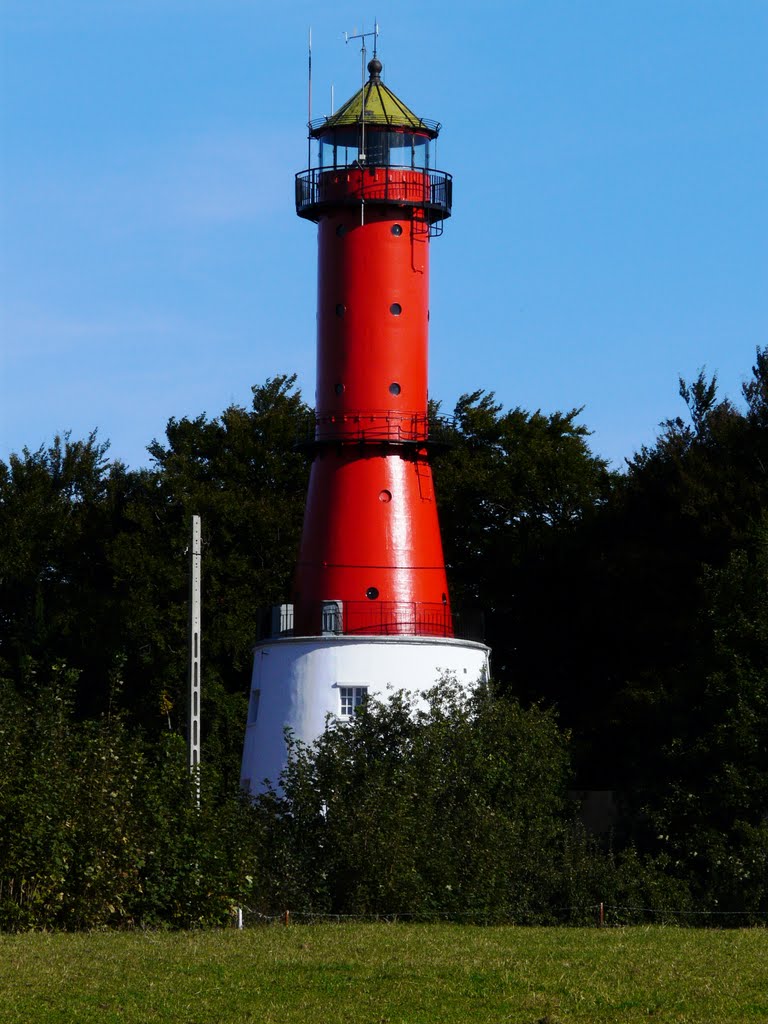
297,683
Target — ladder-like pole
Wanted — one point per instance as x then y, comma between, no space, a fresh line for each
193,743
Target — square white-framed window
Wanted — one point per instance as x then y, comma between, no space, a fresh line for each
351,697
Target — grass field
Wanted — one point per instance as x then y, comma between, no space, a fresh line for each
378,973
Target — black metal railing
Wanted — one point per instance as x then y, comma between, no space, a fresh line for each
370,618
420,187
376,426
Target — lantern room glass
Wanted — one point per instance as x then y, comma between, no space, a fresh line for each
342,148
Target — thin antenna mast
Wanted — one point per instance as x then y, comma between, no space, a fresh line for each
363,54
309,102
362,36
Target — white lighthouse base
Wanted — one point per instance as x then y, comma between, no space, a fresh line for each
298,681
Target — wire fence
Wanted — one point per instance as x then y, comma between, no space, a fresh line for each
599,915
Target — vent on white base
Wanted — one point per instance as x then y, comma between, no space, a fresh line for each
282,619
333,617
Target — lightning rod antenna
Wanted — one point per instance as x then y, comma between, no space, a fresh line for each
309,101
362,36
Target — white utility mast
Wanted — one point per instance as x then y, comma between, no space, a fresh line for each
195,557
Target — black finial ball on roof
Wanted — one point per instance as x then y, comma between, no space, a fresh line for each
374,67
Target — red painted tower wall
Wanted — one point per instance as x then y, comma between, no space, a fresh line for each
371,537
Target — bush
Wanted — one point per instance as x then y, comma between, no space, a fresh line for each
457,808
99,828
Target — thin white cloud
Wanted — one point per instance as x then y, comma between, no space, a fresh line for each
29,334
194,183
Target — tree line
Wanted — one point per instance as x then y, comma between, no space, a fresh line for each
627,615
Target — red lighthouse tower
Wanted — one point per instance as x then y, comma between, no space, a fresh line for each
371,537
370,607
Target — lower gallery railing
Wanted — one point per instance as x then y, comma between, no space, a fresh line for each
370,618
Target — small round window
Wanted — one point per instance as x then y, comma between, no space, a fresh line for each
396,229
341,309
385,496
339,389
372,593
395,309
394,388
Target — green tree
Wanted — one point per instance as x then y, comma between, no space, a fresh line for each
93,566
622,664
242,474
61,508
514,490
710,818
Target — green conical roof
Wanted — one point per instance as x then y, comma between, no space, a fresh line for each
377,105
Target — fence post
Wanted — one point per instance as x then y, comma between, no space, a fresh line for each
287,918
601,918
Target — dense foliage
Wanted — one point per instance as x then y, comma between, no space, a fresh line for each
97,827
443,809
626,611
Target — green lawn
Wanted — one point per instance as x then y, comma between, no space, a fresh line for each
380,973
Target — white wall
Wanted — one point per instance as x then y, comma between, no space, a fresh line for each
296,682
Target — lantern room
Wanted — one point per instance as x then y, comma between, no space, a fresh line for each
374,148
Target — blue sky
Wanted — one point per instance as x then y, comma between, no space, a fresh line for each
610,211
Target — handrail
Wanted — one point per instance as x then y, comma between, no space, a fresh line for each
370,618
376,425
428,189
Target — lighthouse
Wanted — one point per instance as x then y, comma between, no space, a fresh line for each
370,610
